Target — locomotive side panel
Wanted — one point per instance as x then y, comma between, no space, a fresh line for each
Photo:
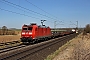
40,31
48,31
44,32
36,32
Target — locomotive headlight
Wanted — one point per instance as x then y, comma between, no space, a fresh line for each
23,33
30,33
73,30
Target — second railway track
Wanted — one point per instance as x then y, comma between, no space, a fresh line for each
37,51
7,45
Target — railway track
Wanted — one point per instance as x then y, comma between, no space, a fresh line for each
11,48
37,51
9,44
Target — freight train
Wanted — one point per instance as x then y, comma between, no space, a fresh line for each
33,32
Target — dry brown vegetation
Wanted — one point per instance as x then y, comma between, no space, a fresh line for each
82,49
9,38
86,29
76,49
5,31
8,35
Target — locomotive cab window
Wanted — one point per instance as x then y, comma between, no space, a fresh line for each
29,28
24,28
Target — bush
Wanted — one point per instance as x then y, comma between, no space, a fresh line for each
87,28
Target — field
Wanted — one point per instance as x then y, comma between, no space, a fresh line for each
8,38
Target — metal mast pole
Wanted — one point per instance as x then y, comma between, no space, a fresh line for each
55,25
77,24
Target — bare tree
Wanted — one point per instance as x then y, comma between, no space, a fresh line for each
87,28
4,29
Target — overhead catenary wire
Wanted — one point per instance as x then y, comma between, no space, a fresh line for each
40,8
19,8
54,17
27,9
17,13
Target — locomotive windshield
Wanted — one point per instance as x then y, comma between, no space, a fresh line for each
28,28
24,28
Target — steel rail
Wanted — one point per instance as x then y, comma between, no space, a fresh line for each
29,50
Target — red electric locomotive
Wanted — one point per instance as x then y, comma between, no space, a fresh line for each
33,32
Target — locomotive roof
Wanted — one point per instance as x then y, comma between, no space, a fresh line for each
43,26
40,26
30,24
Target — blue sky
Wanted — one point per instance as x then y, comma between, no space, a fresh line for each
64,12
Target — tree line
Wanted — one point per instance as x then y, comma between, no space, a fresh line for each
5,31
